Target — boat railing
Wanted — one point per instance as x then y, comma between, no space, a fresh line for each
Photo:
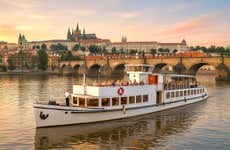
116,83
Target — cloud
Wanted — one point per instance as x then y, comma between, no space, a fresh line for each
191,26
36,16
129,15
23,4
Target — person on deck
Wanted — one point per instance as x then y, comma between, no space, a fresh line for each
67,98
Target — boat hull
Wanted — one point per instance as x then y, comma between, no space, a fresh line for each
49,115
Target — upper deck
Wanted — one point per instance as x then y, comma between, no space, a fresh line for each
112,91
141,80
140,68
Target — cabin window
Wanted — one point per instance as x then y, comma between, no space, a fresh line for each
105,102
124,100
138,99
198,91
82,102
145,98
93,102
168,95
131,99
75,100
185,93
191,92
115,101
177,93
181,93
194,91
172,94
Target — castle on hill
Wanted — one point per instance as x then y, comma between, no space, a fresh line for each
77,34
80,37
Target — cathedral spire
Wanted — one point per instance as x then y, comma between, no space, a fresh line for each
68,34
84,31
20,36
77,28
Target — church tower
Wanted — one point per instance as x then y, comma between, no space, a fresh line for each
19,39
124,39
77,31
68,34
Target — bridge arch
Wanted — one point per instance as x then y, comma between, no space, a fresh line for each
163,67
119,69
159,66
76,69
94,70
66,69
195,67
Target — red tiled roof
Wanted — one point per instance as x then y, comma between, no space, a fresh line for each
135,42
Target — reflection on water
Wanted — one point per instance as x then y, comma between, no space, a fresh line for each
139,132
203,125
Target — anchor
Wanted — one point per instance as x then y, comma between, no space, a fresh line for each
43,116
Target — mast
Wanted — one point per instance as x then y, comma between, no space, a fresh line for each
84,83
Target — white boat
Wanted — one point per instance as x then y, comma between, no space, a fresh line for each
145,93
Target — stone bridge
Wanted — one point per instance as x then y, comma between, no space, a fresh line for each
107,67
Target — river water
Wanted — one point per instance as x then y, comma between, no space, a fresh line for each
205,125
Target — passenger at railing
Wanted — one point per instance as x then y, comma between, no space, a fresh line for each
126,83
130,82
103,83
118,82
67,96
109,82
135,82
122,82
142,82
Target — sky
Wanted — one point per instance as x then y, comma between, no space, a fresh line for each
199,22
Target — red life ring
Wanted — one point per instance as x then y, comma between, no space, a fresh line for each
120,91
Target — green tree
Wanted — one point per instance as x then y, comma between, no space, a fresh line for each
114,50
34,60
58,47
11,65
153,51
132,52
122,51
67,56
82,48
44,46
0,59
76,47
174,51
42,59
162,50
104,50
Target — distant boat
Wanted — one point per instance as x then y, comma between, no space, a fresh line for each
144,93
